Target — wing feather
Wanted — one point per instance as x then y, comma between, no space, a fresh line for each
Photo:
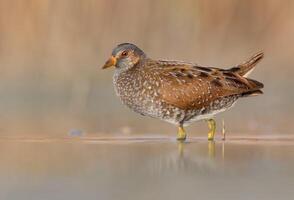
189,86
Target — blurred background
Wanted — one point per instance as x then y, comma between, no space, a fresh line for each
51,53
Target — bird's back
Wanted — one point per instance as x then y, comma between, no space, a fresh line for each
190,86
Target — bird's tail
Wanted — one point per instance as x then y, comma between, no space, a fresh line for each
247,67
251,93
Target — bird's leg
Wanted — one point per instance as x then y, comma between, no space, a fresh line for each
224,131
181,133
212,127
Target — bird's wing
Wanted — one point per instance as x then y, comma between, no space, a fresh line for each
189,86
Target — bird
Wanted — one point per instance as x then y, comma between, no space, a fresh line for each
179,92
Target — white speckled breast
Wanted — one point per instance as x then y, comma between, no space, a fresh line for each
137,92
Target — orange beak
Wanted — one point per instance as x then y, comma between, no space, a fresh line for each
110,62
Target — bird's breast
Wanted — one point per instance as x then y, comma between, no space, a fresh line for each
138,91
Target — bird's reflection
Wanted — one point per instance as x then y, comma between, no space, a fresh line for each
194,156
211,148
181,146
223,150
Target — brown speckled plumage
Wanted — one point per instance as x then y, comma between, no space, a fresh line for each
178,92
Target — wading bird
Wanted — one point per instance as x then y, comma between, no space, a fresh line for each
179,92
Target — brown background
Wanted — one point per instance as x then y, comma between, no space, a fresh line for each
51,53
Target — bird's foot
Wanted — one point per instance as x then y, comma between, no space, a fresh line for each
181,134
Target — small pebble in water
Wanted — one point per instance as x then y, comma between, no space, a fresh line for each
76,133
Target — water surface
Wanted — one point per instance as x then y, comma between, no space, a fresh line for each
89,168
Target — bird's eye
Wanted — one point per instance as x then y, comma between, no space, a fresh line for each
124,53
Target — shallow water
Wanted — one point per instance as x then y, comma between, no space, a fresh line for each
145,168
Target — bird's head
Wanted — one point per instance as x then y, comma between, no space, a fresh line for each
124,57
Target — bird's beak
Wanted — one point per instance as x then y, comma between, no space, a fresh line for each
110,62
